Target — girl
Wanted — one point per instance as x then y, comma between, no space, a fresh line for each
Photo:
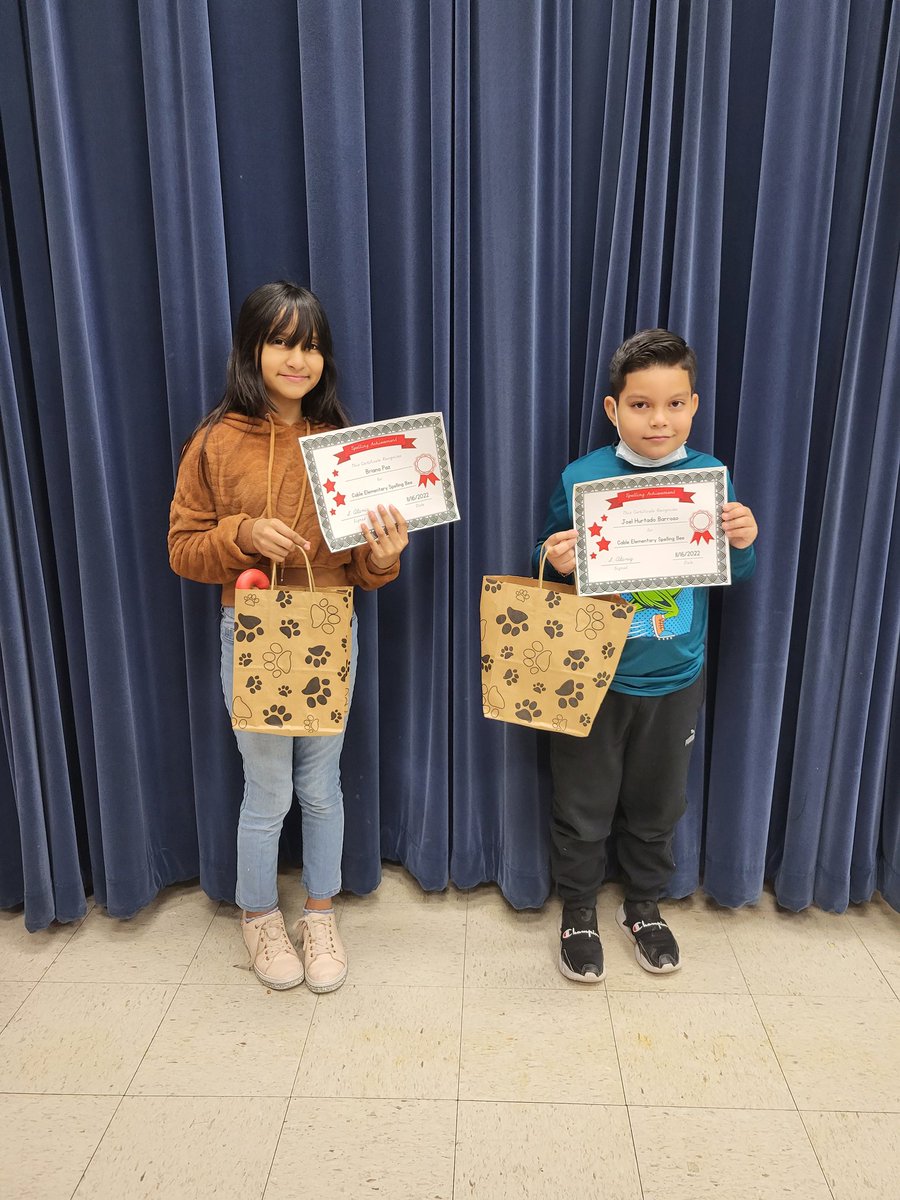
242,461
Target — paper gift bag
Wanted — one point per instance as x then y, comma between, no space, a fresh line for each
292,658
547,654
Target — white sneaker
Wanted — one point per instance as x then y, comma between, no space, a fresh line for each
272,955
324,956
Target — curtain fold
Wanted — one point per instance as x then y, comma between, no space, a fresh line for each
488,197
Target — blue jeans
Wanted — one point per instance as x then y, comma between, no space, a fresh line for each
274,769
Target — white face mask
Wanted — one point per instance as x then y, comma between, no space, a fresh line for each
638,460
623,450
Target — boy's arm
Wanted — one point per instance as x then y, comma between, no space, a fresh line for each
558,518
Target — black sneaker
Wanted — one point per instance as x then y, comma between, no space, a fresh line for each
580,949
655,947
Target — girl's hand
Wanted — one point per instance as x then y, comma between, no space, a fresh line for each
273,539
738,525
387,538
560,549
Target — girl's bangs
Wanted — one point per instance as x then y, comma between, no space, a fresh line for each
295,324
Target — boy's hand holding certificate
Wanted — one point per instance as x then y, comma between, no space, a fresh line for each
403,462
639,533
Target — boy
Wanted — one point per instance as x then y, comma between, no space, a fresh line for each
632,768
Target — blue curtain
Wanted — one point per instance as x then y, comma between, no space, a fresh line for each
488,195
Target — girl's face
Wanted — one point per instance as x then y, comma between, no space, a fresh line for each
290,372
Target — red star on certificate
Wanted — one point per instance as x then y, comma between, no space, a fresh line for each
339,499
595,530
593,556
333,511
329,485
334,473
603,544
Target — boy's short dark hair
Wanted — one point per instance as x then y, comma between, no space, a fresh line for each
650,348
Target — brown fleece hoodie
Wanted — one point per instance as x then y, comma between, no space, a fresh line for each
213,512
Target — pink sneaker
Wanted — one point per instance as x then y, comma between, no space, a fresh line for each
324,956
272,955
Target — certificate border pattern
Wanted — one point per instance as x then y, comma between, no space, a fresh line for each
338,437
651,582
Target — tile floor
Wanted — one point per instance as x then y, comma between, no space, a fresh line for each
143,1059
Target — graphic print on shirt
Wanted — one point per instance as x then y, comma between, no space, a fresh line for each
661,614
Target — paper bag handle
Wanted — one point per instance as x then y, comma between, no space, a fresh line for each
309,571
541,567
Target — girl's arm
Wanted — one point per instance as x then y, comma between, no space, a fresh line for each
201,546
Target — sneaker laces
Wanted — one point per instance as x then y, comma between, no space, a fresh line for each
321,934
273,939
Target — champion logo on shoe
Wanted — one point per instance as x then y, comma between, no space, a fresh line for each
567,933
639,925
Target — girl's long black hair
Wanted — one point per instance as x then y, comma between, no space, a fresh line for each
277,310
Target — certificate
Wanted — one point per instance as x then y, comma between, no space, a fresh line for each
403,462
645,532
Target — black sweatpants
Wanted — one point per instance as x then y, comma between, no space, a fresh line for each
630,774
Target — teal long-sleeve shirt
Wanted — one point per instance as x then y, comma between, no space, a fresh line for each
649,666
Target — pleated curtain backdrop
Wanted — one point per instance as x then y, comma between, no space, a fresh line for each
488,195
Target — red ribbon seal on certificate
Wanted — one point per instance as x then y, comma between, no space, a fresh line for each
376,443
700,523
425,465
656,493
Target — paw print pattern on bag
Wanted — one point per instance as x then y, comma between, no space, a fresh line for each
513,622
317,691
277,660
284,599
247,629
244,660
276,715
253,684
576,660
510,677
324,616
553,629
492,585
492,701
537,658
607,650
486,663
570,694
290,628
553,599
620,610
240,713
601,679
590,621
317,656
527,710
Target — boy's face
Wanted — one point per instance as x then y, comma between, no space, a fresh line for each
655,410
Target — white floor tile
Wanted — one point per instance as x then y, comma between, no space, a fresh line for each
26,956
544,1152
837,1054
521,1044
810,953
156,946
183,1148
80,1038
48,1141
387,1042
227,1042
714,1154
859,1153
697,1051
389,1149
